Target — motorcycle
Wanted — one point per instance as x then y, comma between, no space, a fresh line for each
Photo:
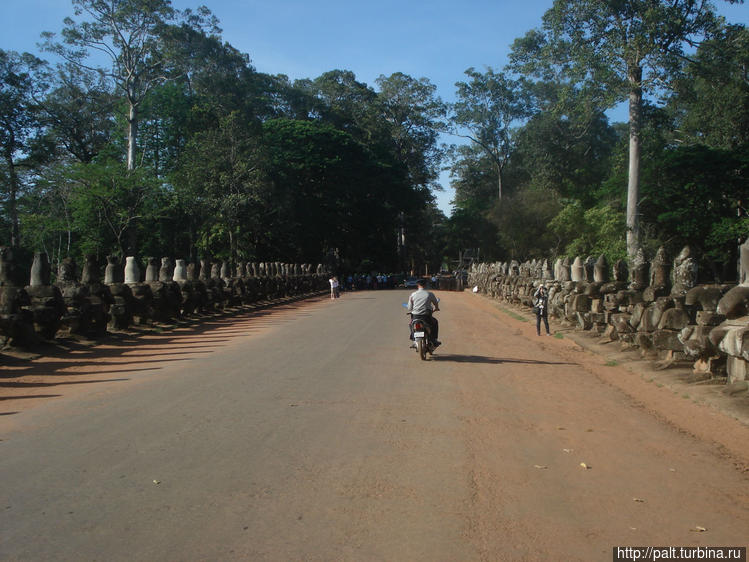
421,328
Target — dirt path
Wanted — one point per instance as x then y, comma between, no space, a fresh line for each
504,446
660,467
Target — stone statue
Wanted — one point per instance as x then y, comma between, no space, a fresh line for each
16,321
639,271
659,269
40,270
166,272
180,270
684,275
132,271
601,270
577,272
152,270
113,272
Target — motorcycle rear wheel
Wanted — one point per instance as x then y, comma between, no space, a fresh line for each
421,347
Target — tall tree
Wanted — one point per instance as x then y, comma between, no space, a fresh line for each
415,116
489,105
129,33
711,97
20,126
79,111
626,47
220,183
346,103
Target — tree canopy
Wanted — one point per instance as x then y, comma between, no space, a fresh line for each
169,142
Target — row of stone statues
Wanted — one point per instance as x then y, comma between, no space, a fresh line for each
657,306
87,306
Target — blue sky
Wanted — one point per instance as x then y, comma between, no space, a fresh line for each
436,39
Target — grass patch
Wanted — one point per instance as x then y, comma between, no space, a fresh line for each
559,335
514,315
611,363
659,385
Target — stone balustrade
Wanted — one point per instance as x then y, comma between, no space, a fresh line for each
656,307
131,295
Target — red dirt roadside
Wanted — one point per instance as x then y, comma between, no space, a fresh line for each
699,409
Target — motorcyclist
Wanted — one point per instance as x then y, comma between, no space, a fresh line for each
421,304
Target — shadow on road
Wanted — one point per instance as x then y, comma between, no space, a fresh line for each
493,360
139,349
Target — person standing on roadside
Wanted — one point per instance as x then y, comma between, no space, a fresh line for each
541,308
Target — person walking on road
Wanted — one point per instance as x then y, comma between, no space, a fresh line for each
334,287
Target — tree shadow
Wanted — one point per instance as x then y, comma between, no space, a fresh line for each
26,398
48,384
61,362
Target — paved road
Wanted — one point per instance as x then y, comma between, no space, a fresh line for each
313,433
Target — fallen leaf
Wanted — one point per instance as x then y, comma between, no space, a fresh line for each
561,428
585,466
639,500
672,470
568,450
589,430
540,466
698,529
157,482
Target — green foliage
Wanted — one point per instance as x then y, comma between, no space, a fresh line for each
711,97
594,231
489,105
21,146
111,206
219,186
570,157
522,223
241,165
331,192
695,196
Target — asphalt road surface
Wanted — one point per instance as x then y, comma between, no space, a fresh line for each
312,432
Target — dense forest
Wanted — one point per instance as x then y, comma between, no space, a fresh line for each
152,136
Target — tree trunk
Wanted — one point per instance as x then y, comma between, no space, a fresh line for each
132,135
15,239
633,184
499,181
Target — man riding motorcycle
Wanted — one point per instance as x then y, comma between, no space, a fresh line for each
421,304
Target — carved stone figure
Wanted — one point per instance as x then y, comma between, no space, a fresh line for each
99,299
132,271
684,272
113,272
152,270
166,272
16,321
180,270
659,269
639,271
46,305
601,270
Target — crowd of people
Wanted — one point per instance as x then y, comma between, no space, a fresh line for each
364,282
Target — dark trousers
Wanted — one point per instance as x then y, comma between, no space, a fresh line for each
435,330
545,316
